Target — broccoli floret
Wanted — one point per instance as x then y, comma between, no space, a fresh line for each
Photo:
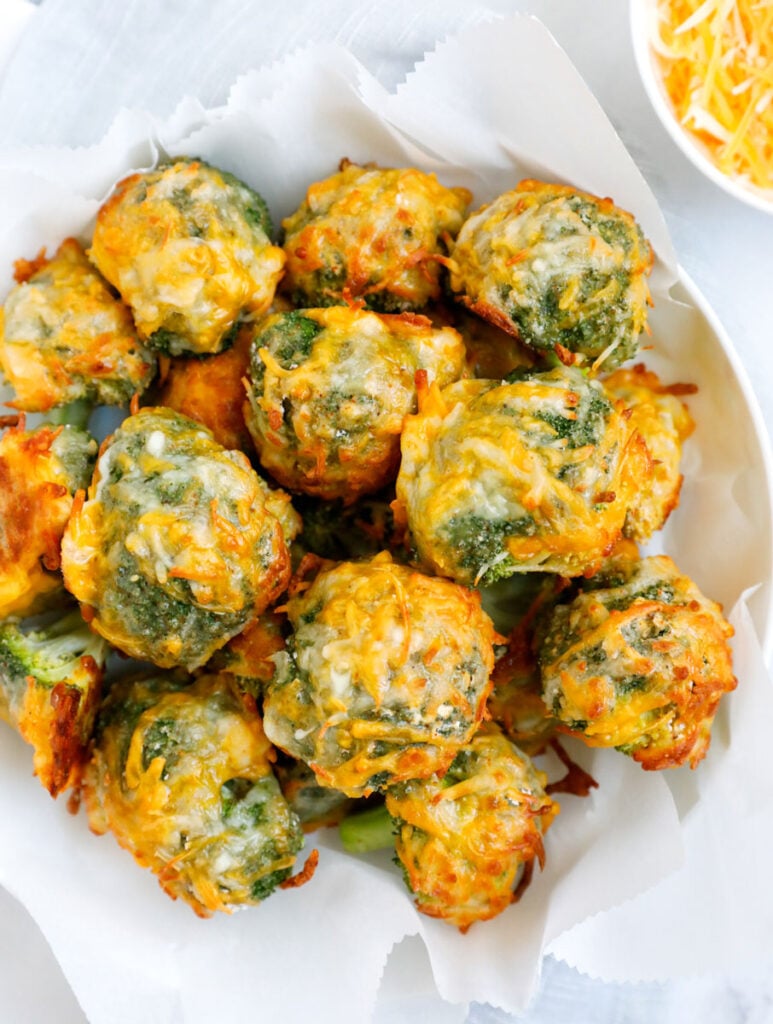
481,544
50,680
367,831
51,654
75,414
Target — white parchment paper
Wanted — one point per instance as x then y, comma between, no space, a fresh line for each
488,107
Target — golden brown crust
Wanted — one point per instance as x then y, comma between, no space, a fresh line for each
57,723
210,390
34,507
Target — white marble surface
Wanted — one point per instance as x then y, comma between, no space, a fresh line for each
78,61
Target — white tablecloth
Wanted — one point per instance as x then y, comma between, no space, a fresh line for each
77,62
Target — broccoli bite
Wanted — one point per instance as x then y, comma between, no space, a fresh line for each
50,683
178,546
464,839
373,233
638,661
665,423
329,391
385,676
189,249
181,774
532,475
210,390
316,806
562,270
64,337
40,471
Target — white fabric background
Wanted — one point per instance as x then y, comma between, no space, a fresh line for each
78,61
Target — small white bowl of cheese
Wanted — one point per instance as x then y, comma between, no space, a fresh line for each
707,67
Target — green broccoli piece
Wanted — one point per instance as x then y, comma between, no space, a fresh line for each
51,654
76,450
50,682
367,831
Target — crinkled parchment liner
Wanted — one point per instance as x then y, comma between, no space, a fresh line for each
494,104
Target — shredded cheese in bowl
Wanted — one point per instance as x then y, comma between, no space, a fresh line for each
715,60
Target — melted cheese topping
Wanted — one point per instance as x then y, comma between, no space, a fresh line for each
188,253
665,423
716,59
64,337
533,475
181,774
639,664
559,269
36,496
462,840
327,420
386,676
371,232
177,527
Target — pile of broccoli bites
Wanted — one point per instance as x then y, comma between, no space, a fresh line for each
368,518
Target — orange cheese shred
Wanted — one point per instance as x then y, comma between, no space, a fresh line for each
716,60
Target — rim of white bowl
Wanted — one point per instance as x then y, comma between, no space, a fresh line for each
764,621
641,14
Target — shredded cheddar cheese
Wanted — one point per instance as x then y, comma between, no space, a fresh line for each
716,59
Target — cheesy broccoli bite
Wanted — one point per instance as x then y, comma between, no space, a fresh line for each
664,422
329,392
532,475
638,661
178,546
385,676
181,774
65,337
563,270
373,233
188,247
50,683
40,472
464,839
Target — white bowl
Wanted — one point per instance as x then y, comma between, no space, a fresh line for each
642,14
